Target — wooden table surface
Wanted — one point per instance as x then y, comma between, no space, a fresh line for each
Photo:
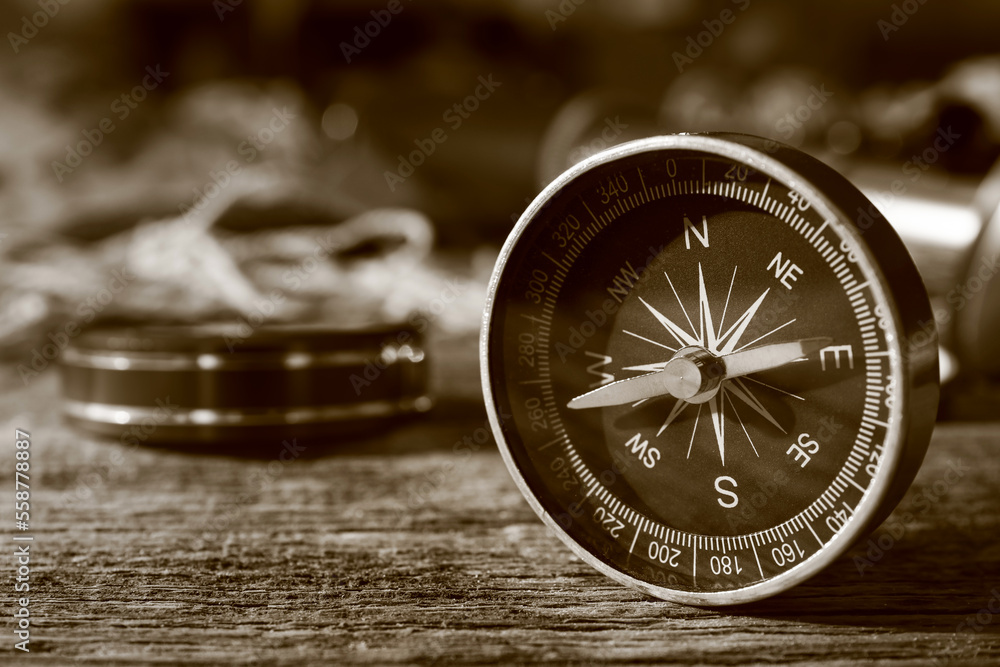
399,550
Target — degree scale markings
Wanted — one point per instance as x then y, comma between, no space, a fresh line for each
834,258
744,195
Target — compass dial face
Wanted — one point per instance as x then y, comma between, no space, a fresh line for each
776,425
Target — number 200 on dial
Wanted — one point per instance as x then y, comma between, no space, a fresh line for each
704,365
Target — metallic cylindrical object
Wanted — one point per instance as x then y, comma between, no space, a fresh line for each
206,384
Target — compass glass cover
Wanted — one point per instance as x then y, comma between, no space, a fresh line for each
614,271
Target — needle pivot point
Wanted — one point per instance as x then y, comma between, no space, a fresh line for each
694,374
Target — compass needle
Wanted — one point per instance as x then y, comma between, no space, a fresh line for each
767,357
646,368
611,329
694,374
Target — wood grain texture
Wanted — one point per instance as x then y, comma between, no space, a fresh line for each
400,550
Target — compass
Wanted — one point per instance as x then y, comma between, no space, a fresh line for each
707,365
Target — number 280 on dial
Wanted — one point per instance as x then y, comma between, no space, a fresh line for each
707,363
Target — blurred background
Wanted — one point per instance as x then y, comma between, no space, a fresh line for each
217,154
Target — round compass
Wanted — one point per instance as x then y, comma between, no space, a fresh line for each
710,365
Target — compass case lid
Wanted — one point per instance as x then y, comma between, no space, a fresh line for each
218,383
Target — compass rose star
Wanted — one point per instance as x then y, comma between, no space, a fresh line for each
712,337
